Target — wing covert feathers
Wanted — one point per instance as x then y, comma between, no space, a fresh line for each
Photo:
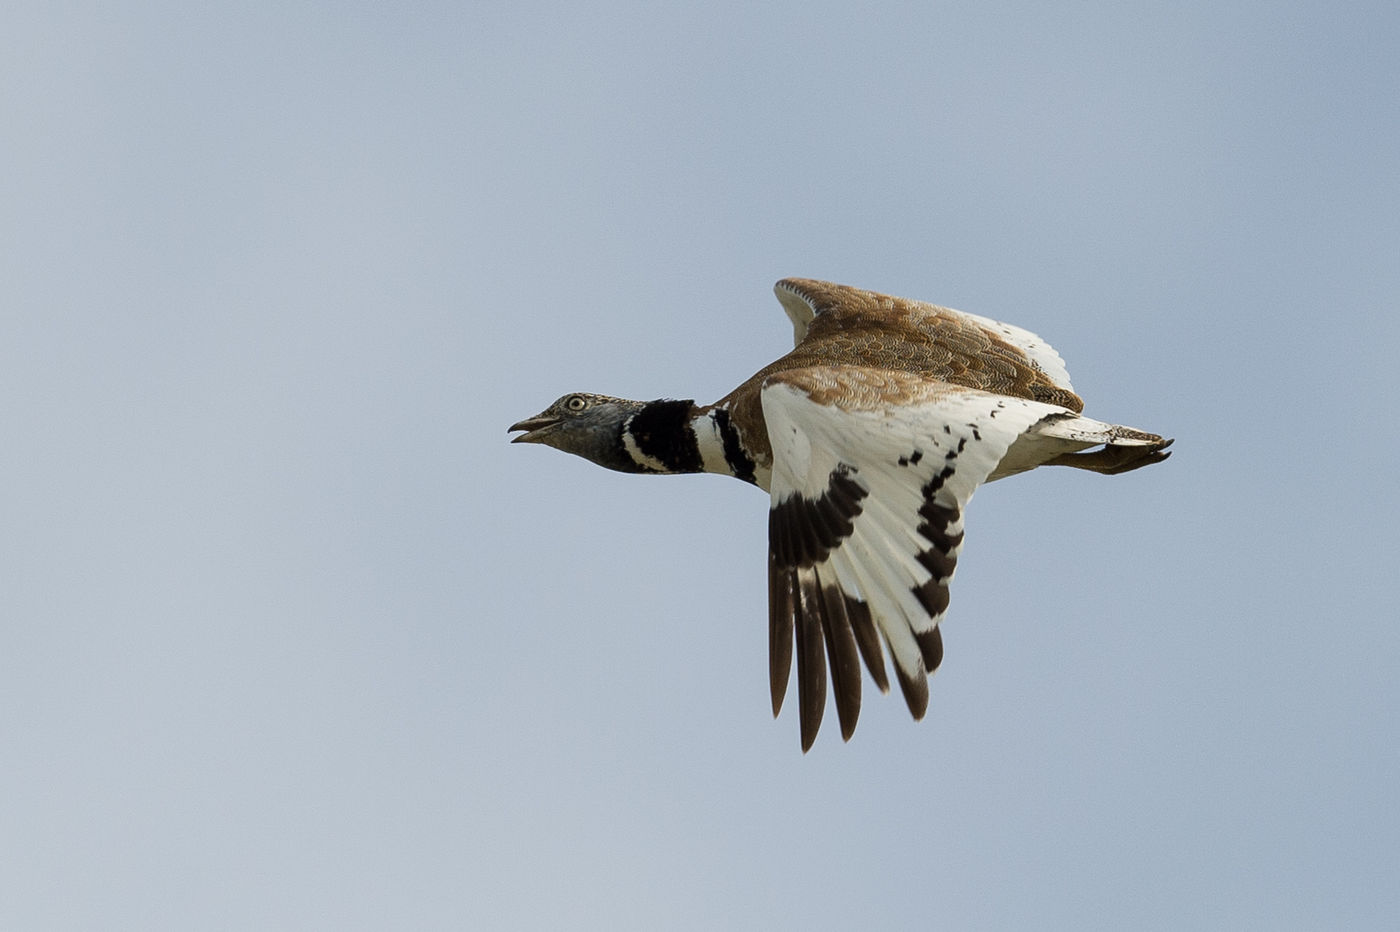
841,323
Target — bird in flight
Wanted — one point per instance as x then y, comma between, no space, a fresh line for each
870,438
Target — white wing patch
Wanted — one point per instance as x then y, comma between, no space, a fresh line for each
871,473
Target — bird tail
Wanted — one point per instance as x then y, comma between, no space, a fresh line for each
1124,448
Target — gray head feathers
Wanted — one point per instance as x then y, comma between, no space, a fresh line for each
586,425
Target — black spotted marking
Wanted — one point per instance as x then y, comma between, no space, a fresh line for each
938,559
802,531
934,528
933,596
912,459
939,564
936,483
663,432
741,465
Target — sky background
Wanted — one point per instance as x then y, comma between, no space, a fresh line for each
292,638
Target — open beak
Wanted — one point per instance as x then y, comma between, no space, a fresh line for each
534,427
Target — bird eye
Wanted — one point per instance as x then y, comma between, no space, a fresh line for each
576,403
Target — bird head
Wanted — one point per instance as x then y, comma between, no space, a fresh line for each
585,425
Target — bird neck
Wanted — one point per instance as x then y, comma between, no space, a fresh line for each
682,437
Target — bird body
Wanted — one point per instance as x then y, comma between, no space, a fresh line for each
870,436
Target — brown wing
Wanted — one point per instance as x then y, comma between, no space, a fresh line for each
847,325
839,325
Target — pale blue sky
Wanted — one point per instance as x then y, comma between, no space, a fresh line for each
291,637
